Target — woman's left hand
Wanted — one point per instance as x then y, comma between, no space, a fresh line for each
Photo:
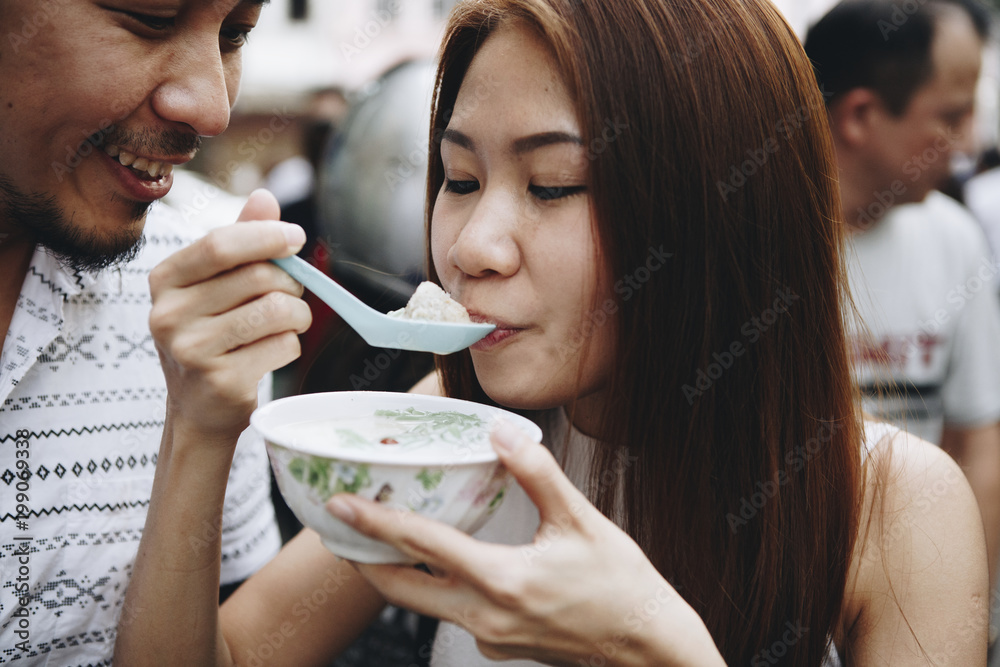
582,593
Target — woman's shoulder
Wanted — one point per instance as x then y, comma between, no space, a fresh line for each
430,385
918,580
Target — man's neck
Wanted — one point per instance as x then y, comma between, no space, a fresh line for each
16,250
863,205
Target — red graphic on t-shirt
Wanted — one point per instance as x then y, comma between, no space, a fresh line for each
896,351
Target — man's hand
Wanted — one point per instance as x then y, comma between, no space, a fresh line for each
223,316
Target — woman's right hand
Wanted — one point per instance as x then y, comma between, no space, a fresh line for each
223,316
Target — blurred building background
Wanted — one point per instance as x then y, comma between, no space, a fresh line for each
302,56
301,45
307,60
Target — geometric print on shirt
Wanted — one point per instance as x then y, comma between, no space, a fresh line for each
80,378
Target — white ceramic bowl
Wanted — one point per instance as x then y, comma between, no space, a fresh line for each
461,484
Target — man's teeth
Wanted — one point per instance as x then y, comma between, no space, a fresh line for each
154,169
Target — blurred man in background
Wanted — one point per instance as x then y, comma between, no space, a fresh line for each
899,81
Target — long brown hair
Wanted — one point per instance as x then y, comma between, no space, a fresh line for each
731,387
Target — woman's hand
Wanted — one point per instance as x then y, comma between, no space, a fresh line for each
223,317
582,593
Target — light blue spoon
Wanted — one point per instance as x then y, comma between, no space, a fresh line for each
378,329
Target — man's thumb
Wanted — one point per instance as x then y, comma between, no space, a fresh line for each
260,206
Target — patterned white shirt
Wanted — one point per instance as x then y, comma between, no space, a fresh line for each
81,414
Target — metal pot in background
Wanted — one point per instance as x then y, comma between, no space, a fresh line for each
372,186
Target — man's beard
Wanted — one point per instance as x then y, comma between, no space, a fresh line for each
40,217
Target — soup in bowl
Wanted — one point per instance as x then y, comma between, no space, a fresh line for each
424,454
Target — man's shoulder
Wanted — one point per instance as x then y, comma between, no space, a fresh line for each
943,220
938,231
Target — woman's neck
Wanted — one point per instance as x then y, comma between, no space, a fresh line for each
586,412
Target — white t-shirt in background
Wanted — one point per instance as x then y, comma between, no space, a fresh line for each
922,280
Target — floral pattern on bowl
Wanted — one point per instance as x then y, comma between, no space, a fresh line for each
462,489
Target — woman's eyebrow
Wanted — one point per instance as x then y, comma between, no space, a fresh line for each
519,146
459,139
535,141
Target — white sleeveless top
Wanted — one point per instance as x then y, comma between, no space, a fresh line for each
517,520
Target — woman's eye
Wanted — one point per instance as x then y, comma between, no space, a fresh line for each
547,194
461,187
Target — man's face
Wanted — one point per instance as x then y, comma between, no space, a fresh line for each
82,81
916,147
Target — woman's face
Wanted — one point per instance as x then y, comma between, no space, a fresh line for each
512,236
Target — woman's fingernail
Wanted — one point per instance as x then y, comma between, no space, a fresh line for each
295,236
507,437
341,509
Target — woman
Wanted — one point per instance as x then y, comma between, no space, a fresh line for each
641,194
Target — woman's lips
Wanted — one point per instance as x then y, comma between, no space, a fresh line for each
503,332
495,337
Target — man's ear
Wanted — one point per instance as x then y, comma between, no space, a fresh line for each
854,116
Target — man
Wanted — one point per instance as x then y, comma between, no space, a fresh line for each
900,80
98,102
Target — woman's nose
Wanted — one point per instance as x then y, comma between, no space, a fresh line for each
488,242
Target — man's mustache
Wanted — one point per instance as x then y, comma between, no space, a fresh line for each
148,142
